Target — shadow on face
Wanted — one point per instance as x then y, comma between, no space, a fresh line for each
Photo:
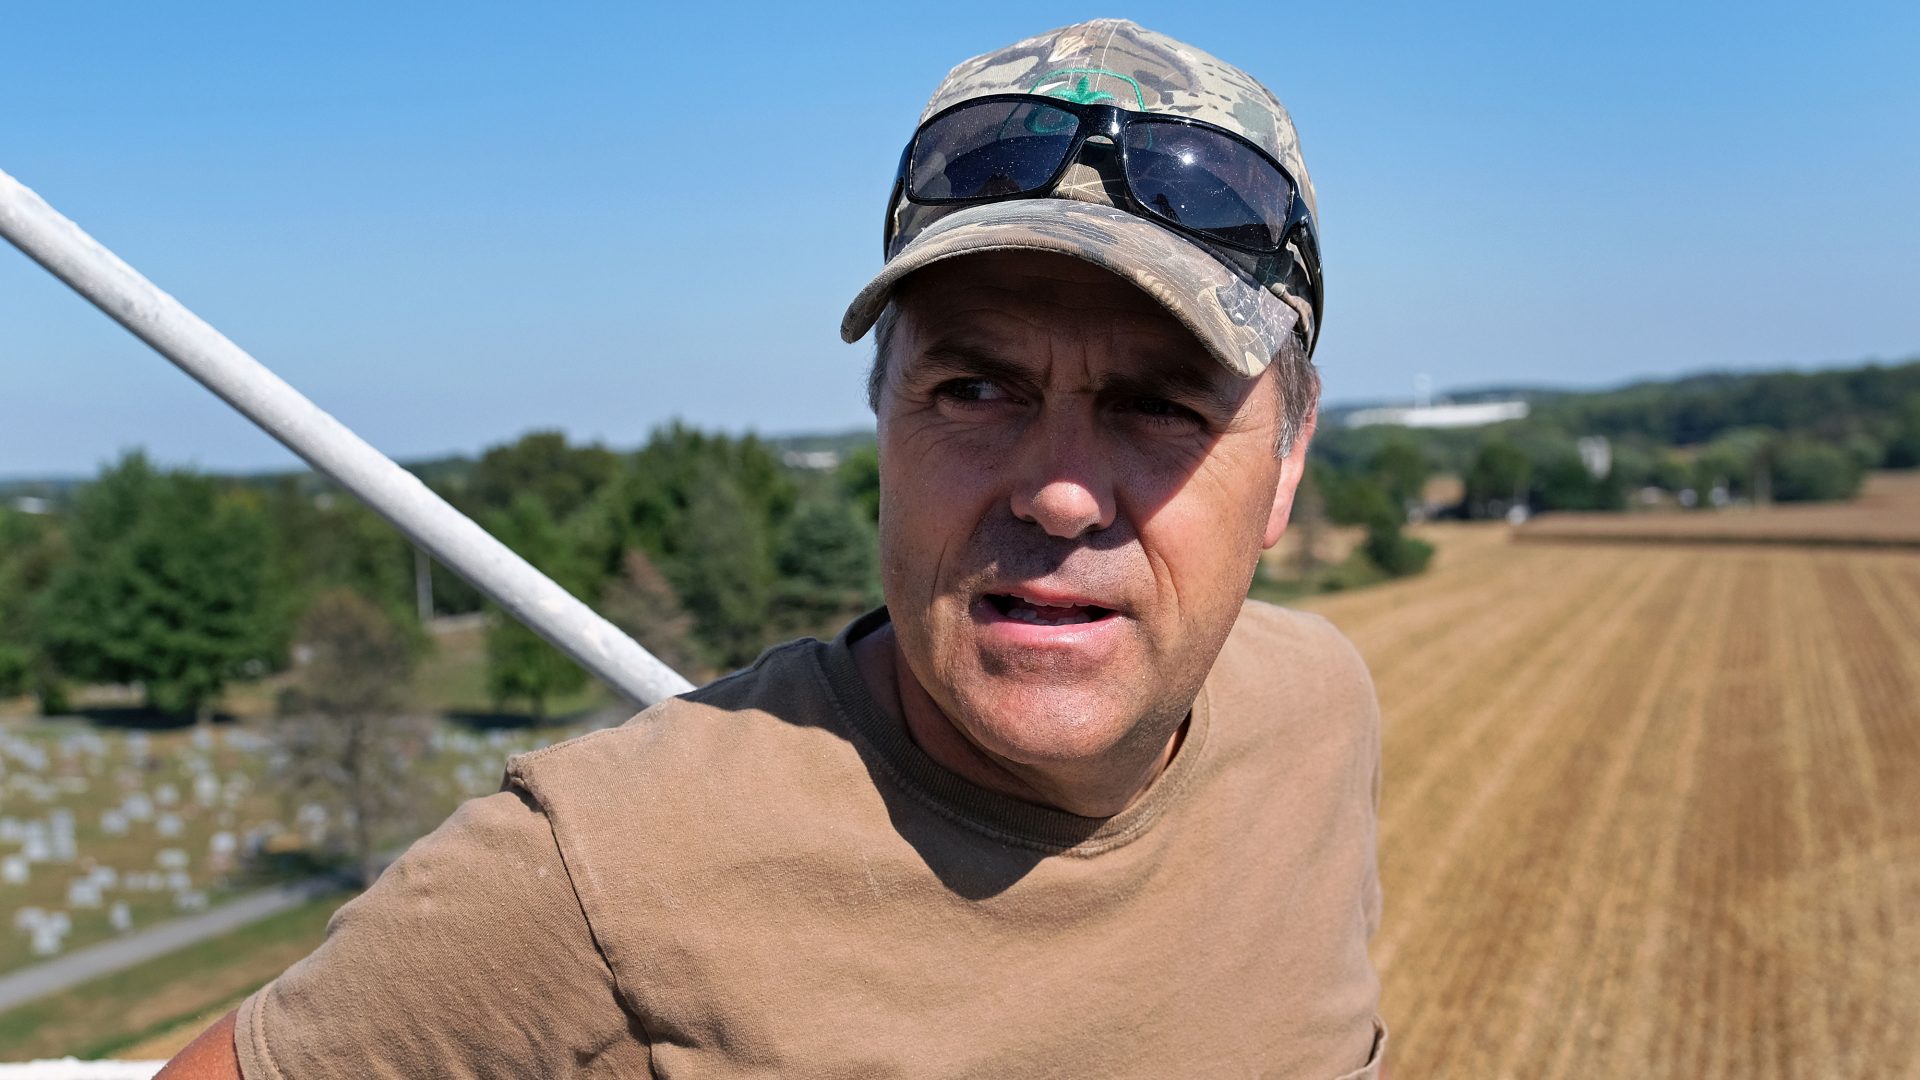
1055,445
1011,344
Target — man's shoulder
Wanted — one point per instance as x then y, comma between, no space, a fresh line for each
759,728
1298,660
1303,638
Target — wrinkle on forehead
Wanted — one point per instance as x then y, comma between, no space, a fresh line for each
1054,321
1003,303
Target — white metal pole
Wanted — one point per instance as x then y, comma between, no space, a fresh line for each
158,319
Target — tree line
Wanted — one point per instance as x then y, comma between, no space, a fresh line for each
707,547
703,546
1702,441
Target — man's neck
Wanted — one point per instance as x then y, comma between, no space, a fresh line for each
1092,789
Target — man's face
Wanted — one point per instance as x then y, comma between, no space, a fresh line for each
1073,498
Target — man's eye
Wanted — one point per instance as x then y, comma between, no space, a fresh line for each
1162,410
973,390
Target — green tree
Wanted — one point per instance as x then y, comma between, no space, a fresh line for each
1903,449
520,663
859,477
165,586
1307,522
1394,552
1562,482
1633,466
706,509
30,553
343,740
641,601
1400,467
1386,546
1353,498
1737,461
1497,479
1671,471
647,505
329,540
541,464
828,568
1804,470
723,570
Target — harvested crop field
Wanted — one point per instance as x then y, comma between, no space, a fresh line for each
1649,810
1887,514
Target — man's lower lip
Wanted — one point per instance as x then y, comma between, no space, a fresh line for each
1039,635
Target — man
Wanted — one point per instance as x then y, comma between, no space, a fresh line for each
1067,805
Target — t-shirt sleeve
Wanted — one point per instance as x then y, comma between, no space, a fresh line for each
469,957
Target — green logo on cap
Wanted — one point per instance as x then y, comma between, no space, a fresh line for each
1061,84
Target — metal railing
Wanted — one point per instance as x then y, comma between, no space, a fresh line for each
176,333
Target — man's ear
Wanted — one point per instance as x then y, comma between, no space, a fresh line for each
1293,468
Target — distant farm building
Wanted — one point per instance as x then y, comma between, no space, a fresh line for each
1473,414
818,460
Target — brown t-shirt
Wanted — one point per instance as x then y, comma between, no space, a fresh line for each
768,878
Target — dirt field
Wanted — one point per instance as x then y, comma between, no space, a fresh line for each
1649,810
1887,514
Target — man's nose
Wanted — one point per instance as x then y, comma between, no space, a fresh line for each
1062,479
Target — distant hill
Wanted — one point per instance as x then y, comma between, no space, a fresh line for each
1836,403
449,471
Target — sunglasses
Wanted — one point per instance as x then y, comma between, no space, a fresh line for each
1191,176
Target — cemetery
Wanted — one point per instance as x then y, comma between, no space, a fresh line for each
105,830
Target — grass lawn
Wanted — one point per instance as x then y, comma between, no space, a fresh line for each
130,1008
451,679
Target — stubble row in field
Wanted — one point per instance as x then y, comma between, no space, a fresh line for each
1649,811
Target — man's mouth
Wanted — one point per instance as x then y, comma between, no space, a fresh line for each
1020,609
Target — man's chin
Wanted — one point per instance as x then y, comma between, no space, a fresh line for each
1047,725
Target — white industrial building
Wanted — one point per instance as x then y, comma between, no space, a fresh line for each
1473,414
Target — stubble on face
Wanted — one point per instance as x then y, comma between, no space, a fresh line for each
1055,446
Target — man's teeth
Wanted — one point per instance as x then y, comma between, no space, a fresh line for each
1062,616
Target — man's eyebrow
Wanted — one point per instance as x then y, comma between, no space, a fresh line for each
1171,378
1179,382
964,359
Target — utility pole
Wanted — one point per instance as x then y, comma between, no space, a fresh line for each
423,585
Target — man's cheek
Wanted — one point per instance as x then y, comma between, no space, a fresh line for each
937,517
933,442
915,539
1192,581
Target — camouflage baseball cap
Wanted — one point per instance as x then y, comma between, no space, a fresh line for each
1240,306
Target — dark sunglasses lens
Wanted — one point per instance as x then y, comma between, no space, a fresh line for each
1208,183
994,148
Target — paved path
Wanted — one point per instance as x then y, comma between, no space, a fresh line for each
19,987
71,1069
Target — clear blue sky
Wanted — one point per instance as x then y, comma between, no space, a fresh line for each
452,225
